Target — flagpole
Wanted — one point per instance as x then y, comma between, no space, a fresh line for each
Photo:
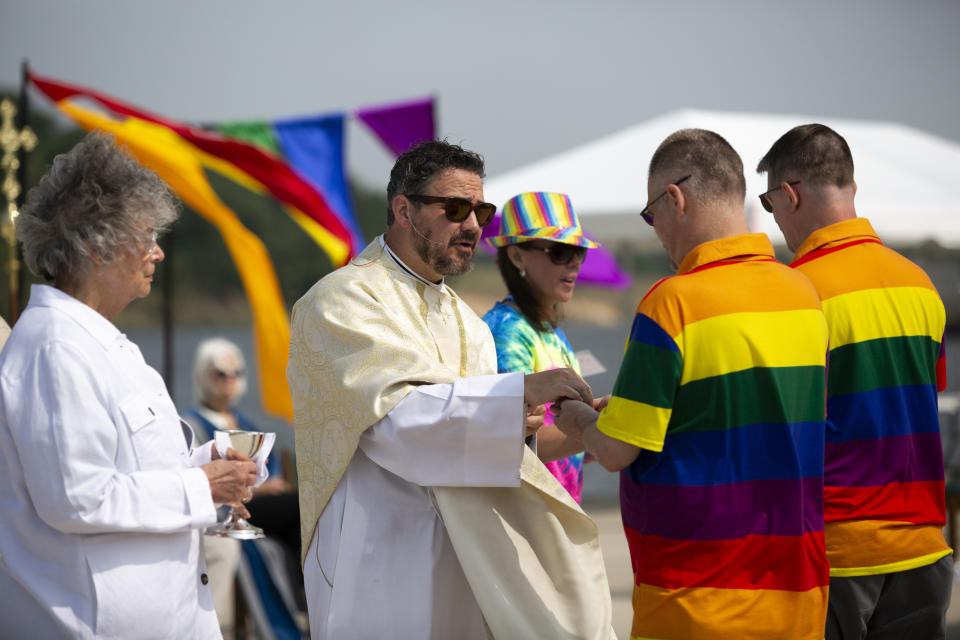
14,143
22,171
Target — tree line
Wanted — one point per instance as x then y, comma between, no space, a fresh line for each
198,261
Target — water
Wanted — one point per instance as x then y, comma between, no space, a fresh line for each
607,344
185,341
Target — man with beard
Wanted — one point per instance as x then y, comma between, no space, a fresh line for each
423,513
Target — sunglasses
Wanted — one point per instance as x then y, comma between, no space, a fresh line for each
645,214
236,373
765,196
458,209
558,252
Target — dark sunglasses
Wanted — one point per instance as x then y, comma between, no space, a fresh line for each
237,373
558,252
765,196
645,214
458,209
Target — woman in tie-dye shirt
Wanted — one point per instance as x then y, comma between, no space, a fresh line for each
539,252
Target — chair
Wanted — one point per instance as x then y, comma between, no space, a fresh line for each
264,594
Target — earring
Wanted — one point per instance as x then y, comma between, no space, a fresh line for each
523,273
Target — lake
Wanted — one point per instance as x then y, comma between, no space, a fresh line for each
606,343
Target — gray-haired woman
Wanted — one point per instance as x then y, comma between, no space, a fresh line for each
101,497
219,381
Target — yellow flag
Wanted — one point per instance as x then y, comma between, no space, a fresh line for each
180,165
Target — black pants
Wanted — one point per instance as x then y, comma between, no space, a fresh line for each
906,604
279,517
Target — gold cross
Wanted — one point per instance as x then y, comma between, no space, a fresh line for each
12,141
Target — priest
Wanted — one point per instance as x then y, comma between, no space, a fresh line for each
423,513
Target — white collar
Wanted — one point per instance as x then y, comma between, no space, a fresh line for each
404,268
42,295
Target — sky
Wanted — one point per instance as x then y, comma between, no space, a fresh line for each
515,80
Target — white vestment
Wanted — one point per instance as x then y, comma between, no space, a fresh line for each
381,524
404,433
100,499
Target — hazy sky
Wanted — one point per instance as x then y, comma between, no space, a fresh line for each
516,80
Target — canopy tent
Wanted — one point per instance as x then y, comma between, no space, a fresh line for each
903,175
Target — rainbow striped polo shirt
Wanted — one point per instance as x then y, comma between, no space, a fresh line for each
722,386
883,472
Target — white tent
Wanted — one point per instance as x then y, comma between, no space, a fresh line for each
905,177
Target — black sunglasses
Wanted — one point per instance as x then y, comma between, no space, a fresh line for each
765,196
645,214
236,373
458,209
558,252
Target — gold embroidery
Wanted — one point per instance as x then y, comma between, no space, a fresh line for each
424,312
463,339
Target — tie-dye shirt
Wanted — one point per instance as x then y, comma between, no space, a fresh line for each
723,388
521,348
883,475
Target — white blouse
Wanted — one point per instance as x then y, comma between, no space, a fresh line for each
101,500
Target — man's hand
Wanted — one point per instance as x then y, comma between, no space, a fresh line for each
573,416
229,479
578,419
535,419
600,403
555,384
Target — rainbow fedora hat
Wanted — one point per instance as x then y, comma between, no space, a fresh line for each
540,214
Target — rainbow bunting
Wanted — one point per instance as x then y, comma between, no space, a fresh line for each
400,125
313,147
181,155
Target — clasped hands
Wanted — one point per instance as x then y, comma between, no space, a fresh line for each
572,416
552,386
231,479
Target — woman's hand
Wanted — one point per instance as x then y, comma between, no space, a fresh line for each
230,479
272,486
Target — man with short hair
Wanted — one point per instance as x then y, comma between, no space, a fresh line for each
890,569
423,513
716,419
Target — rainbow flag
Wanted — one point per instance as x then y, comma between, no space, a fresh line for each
313,147
181,155
722,388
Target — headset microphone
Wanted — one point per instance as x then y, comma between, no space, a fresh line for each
428,239
443,245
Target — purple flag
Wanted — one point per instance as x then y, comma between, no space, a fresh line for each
400,125
600,268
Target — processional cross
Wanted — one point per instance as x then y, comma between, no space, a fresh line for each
12,140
